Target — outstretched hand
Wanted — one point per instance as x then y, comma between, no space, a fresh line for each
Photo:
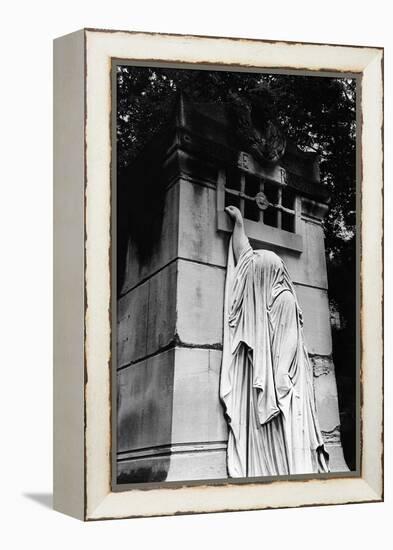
234,213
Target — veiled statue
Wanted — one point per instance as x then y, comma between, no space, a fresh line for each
266,382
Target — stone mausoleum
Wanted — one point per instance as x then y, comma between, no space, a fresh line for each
173,237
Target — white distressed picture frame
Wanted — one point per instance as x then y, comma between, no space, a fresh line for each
82,335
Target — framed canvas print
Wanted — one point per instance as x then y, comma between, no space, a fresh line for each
218,274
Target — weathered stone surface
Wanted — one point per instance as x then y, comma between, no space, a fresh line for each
197,413
147,317
164,250
313,259
336,459
326,399
196,168
143,470
162,308
315,306
310,266
198,465
132,311
183,462
333,437
322,365
314,209
170,419
198,236
145,397
200,298
327,411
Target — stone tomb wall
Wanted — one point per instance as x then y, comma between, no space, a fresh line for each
170,324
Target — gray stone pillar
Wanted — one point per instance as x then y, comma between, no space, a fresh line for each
170,420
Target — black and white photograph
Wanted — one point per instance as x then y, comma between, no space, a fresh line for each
236,271
197,304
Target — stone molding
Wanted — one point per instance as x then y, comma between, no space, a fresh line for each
332,437
171,449
322,364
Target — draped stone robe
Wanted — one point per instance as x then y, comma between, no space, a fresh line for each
266,380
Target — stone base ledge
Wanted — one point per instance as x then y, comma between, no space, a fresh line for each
182,462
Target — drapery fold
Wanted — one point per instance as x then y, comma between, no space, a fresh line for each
266,378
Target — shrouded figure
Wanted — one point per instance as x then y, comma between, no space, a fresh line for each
266,378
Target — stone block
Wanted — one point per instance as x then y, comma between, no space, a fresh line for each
147,317
200,299
164,250
315,306
171,424
198,169
144,403
326,399
143,470
197,413
204,464
161,326
132,314
313,258
198,236
326,402
336,459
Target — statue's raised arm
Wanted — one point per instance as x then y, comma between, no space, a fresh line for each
239,238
